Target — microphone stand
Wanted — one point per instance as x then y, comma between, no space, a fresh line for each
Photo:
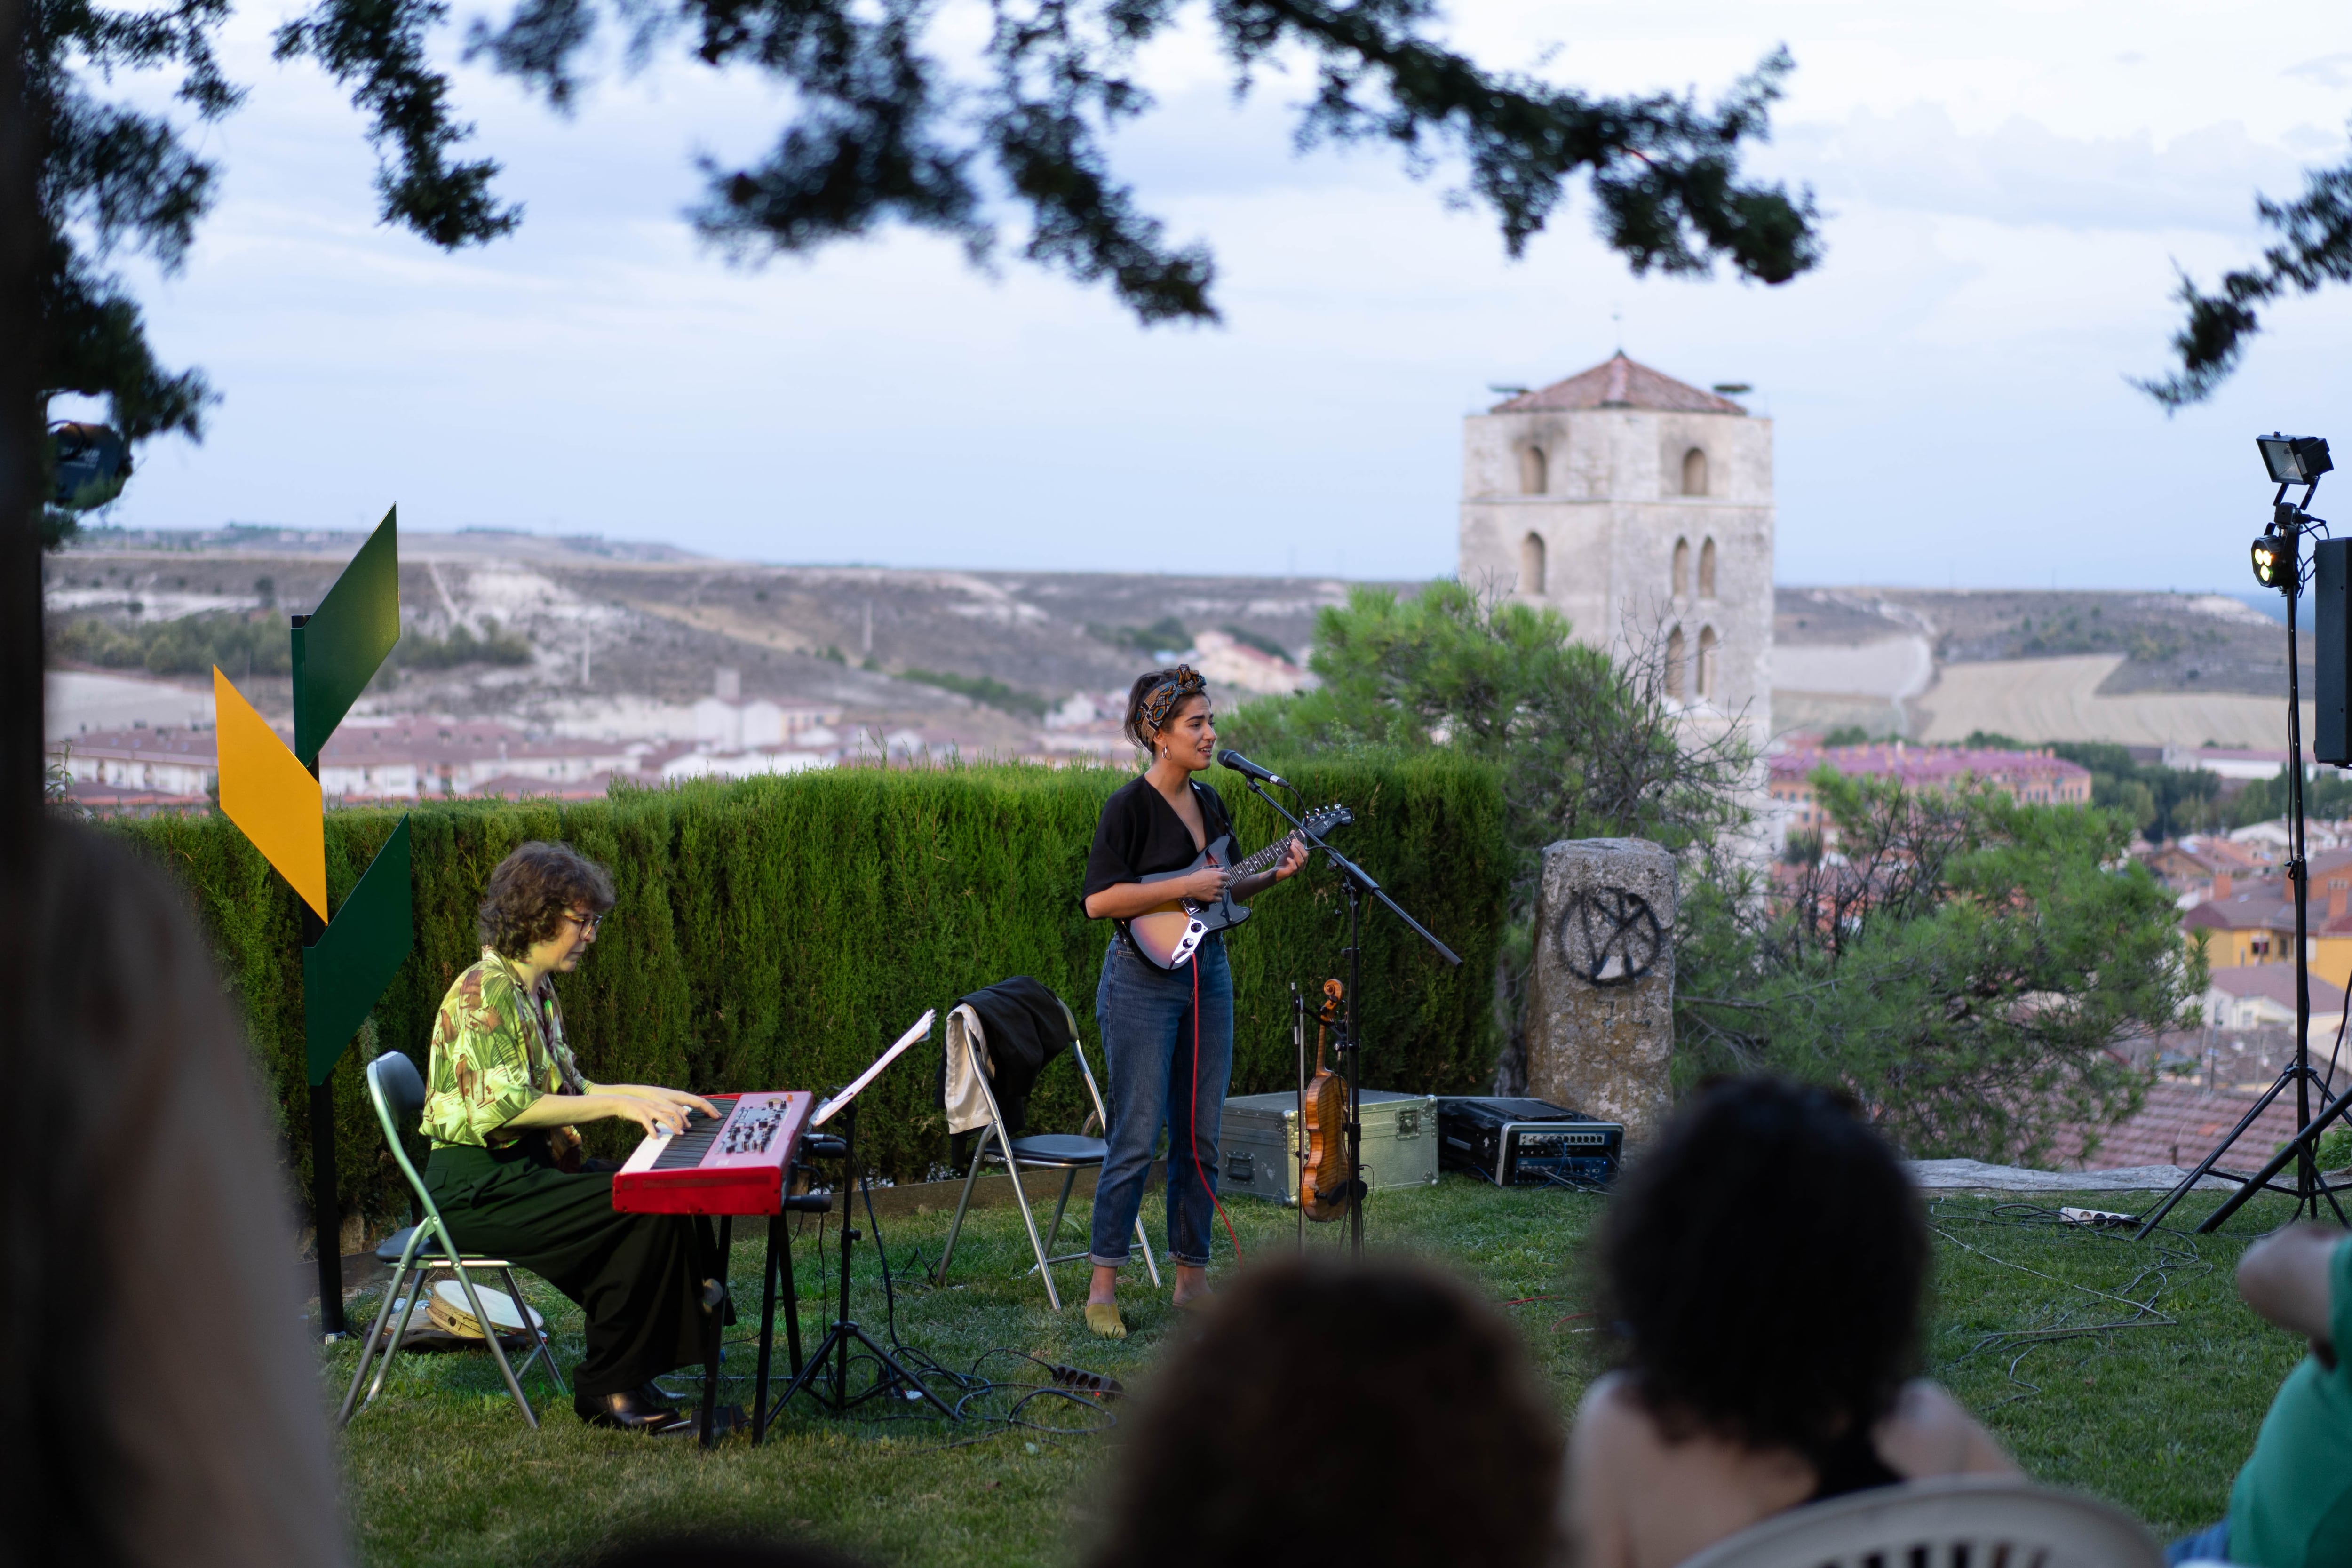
1358,882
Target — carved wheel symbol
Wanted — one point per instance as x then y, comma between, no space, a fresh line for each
1610,936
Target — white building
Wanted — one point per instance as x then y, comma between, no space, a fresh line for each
2262,996
1641,510
724,722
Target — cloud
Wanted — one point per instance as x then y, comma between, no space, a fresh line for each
2328,70
2022,172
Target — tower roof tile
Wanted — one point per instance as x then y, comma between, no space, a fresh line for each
1620,383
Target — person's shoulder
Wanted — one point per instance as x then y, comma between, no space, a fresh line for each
494,984
1126,796
1216,798
1611,1406
1930,1433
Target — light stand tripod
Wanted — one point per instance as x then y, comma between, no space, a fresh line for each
2278,564
1358,882
890,1374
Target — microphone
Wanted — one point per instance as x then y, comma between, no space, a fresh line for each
1248,769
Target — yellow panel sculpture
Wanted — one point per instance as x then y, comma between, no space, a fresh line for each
269,795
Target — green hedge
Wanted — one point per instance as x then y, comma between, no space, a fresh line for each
777,932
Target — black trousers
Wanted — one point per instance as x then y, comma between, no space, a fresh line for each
639,1276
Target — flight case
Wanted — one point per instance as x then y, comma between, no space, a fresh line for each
1527,1142
1257,1151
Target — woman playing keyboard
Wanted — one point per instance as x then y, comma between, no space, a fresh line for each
503,1100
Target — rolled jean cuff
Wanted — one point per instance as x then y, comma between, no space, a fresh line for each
1119,1262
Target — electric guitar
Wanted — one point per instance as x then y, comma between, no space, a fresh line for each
1169,934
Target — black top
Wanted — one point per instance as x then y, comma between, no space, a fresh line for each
1851,1464
1139,835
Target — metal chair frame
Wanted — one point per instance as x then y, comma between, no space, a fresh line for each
1008,1151
412,1267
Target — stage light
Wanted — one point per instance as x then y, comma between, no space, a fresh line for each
2274,561
91,462
2294,459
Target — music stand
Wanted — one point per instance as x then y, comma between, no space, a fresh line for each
1358,882
889,1373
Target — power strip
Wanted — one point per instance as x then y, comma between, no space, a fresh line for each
2106,1219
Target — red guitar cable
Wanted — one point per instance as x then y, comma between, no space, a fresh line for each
1193,1118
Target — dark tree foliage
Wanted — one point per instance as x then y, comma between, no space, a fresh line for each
884,128
1966,965
2314,247
116,181
886,132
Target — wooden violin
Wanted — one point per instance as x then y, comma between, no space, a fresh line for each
1323,1171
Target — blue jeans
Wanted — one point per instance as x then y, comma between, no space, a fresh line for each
1150,1025
2210,1544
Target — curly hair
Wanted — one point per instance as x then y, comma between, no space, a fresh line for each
1376,1414
530,892
1157,697
1763,1265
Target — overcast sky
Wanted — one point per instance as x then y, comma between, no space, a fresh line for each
2006,189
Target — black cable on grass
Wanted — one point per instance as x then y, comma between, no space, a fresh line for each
2173,1256
969,1386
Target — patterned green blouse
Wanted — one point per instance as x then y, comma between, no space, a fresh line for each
493,1054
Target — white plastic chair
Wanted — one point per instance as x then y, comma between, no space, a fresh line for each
398,1095
1954,1521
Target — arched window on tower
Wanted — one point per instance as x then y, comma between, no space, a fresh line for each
1707,570
1532,470
1675,664
1531,564
1708,685
1694,472
1682,567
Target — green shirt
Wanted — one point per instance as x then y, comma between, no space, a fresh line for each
2292,1507
493,1054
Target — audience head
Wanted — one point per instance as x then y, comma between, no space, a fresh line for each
1375,1414
696,1550
1763,1264
179,1425
532,889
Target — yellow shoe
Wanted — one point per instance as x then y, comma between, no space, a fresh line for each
1103,1318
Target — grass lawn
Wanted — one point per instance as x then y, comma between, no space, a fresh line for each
2127,1368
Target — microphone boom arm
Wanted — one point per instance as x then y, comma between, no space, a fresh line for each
1355,874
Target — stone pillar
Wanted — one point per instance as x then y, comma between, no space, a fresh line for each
1600,1021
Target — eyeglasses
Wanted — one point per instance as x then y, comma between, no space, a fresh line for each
585,923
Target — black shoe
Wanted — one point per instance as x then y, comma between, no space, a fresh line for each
630,1411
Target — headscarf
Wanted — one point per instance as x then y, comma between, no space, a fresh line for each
1164,699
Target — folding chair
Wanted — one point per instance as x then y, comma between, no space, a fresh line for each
398,1095
1066,1152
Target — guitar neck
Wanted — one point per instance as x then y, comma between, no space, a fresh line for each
1262,859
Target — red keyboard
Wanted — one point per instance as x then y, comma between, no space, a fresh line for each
733,1163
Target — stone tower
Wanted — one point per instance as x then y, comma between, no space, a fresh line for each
1641,510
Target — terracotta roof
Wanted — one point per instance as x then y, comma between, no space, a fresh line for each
2179,1124
1619,382
2276,982
1924,765
2263,910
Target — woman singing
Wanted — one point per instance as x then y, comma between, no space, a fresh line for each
1168,1034
501,1100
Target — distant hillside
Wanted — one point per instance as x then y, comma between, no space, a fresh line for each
586,635
2064,665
